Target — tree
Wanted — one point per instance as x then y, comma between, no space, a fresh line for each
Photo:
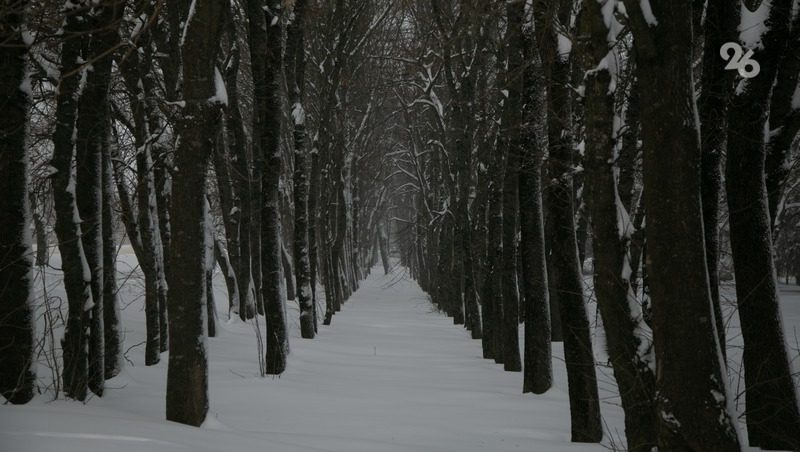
513,148
564,267
17,374
773,416
691,392
91,141
138,75
296,62
265,56
712,104
202,88
68,229
538,372
627,335
112,328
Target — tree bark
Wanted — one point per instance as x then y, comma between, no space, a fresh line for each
627,335
691,390
716,89
93,127
513,147
265,55
112,323
68,229
773,419
187,374
17,373
566,281
491,295
538,367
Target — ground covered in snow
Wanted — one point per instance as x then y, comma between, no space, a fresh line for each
390,374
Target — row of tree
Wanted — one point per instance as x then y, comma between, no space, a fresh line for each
186,122
532,128
504,145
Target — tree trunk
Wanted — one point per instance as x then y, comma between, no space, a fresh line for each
112,324
288,273
68,230
716,89
690,386
225,266
773,420
187,374
313,221
491,295
210,256
17,373
265,54
538,368
136,72
93,128
566,280
513,147
627,335
236,191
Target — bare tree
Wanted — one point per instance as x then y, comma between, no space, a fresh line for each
17,374
187,376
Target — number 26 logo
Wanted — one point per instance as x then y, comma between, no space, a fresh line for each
737,59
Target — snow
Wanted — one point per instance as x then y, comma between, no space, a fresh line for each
298,114
796,98
564,46
607,9
753,25
390,374
220,93
647,11
25,85
188,21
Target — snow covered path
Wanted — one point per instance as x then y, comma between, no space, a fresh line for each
389,375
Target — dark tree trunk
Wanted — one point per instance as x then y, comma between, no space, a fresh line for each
383,247
150,262
138,79
187,374
265,54
236,190
288,273
513,147
491,295
716,88
17,374
210,256
566,281
93,126
300,178
243,183
773,420
230,219
227,271
538,367
691,391
313,221
40,231
68,230
627,335
256,225
112,324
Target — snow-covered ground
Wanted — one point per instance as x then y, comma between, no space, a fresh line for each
390,374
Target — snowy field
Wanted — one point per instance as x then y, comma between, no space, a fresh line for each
389,375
